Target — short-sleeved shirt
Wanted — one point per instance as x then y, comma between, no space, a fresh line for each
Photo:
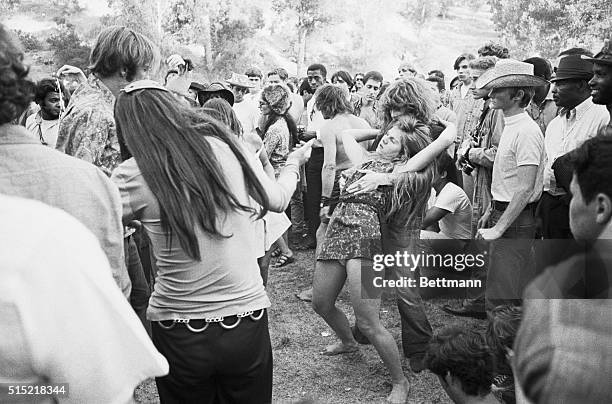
521,144
457,223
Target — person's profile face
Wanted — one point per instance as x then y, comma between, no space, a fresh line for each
315,79
51,104
477,93
239,93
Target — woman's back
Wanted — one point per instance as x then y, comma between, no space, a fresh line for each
226,281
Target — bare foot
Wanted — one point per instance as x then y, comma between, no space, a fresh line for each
339,348
305,295
399,393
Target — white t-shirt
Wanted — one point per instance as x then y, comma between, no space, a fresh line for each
62,317
457,223
521,144
248,114
48,129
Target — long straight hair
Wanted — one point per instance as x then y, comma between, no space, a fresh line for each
411,191
171,146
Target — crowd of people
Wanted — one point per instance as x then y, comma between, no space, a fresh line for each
141,217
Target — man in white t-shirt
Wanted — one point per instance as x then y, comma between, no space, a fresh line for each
246,109
62,317
517,182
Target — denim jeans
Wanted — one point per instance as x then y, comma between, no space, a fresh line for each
416,330
313,191
511,260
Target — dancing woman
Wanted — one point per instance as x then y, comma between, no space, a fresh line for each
190,183
353,237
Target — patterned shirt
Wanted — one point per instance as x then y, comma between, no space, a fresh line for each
87,130
276,141
468,111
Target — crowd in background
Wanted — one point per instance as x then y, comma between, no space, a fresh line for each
141,217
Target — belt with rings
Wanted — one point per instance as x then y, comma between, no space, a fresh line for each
217,320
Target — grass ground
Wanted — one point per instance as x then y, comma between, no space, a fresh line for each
298,335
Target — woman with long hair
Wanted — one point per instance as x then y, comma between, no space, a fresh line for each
191,184
272,225
279,134
353,239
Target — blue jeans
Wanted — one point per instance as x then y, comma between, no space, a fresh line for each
416,330
511,260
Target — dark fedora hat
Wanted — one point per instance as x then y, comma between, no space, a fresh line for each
216,89
605,56
573,67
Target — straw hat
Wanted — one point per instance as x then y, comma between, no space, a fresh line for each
240,80
510,73
605,56
220,89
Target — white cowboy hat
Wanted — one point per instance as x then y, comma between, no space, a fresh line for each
510,73
239,80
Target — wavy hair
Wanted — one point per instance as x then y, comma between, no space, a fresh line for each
172,148
411,96
411,191
16,90
332,100
465,355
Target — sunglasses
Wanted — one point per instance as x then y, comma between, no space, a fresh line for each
143,85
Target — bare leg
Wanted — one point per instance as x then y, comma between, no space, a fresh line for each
328,280
367,314
306,295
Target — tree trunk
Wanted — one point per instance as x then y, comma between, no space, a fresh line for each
302,32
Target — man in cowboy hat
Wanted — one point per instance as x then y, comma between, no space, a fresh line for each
579,120
247,111
517,182
601,83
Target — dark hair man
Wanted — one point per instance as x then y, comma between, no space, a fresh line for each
466,107
542,108
51,97
579,120
570,301
464,365
517,182
372,82
316,75
493,49
601,83
256,78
